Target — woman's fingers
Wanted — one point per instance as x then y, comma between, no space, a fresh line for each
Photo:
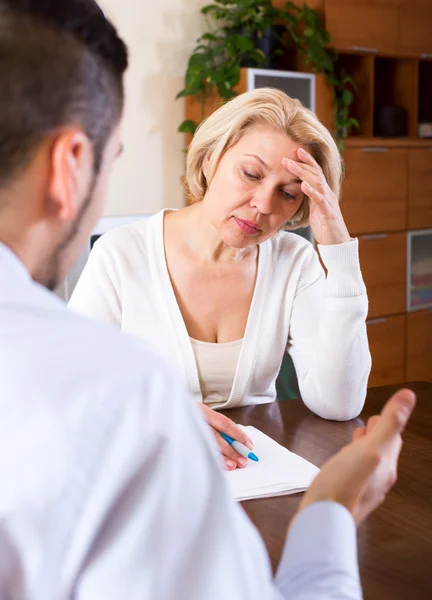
228,451
221,424
307,158
224,425
305,173
230,465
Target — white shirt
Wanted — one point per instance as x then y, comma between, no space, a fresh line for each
321,321
217,366
111,485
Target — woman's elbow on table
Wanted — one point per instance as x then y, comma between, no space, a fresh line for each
343,407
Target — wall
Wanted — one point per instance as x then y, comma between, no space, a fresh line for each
160,35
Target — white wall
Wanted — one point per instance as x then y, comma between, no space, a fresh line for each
160,35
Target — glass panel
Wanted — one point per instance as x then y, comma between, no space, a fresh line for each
421,270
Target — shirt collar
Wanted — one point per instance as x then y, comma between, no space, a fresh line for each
10,262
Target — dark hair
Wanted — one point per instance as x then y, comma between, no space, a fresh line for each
61,63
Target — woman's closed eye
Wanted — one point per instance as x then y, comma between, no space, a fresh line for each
287,195
251,176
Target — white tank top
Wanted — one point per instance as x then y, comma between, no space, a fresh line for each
217,365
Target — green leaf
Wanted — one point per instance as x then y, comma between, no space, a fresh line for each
347,97
188,126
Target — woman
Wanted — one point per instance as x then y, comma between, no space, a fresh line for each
222,290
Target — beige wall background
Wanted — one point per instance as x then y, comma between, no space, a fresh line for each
160,35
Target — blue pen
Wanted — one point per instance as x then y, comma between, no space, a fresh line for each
239,447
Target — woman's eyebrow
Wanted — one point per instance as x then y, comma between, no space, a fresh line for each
265,165
259,159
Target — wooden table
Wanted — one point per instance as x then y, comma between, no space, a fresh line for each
395,543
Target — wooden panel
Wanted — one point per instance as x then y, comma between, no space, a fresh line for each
324,105
369,24
420,188
415,26
375,190
419,346
383,264
387,346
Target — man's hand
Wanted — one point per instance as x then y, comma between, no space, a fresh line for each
362,473
220,423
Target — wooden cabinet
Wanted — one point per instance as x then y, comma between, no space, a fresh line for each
420,188
383,264
387,346
415,26
374,196
419,346
366,24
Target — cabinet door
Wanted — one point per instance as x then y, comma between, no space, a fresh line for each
415,26
419,346
375,191
387,346
370,25
420,188
383,264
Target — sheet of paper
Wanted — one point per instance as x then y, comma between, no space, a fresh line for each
278,472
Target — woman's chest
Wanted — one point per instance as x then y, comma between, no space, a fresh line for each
214,301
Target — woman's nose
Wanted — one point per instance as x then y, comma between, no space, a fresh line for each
263,201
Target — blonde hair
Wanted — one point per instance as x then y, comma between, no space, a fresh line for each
268,106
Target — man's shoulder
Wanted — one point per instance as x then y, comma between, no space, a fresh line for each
109,350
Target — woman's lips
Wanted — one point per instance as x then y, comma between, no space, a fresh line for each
248,227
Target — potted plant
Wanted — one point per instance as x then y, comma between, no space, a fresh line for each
240,35
253,19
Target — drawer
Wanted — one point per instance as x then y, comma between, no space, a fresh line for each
419,346
375,190
420,188
387,346
383,264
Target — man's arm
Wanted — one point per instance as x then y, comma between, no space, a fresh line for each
170,528
319,561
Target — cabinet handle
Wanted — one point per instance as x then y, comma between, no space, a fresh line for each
364,49
375,321
374,236
375,149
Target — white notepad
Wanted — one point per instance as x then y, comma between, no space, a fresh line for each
279,472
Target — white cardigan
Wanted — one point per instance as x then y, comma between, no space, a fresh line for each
320,321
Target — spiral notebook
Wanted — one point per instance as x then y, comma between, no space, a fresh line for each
279,472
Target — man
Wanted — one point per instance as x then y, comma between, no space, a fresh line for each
111,485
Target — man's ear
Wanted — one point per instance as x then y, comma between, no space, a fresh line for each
72,165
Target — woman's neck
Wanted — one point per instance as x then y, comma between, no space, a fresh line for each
201,237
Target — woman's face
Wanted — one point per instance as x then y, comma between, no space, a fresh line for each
252,195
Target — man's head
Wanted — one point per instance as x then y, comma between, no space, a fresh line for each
61,100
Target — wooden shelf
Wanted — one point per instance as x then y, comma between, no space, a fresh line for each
376,142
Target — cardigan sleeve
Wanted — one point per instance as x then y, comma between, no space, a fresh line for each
97,294
327,339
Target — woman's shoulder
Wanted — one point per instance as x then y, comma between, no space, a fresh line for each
127,239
